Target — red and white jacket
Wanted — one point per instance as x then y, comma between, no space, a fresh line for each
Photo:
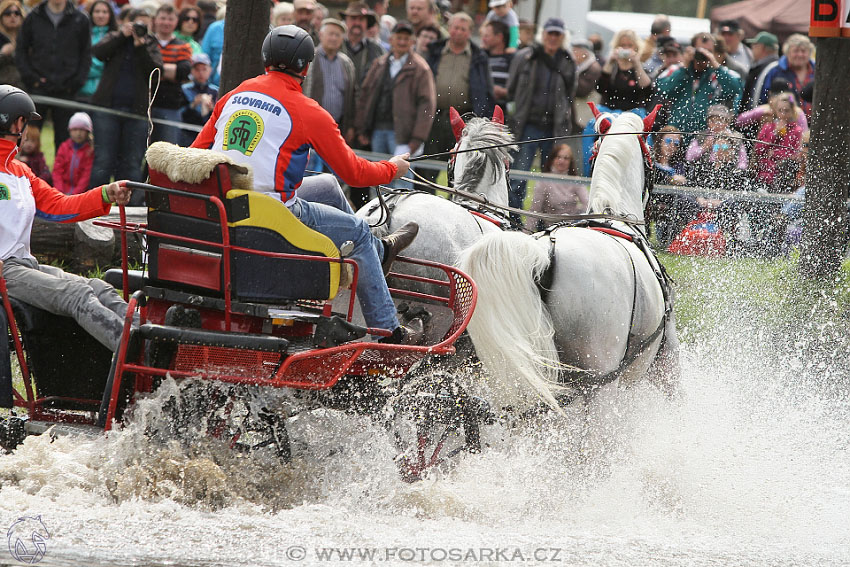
23,196
267,123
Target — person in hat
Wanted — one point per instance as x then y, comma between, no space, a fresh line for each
74,158
331,81
670,53
361,49
502,11
398,100
93,303
765,49
200,95
304,11
732,34
292,125
541,85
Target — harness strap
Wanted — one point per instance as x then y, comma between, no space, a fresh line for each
612,232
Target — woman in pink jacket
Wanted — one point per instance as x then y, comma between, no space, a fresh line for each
562,197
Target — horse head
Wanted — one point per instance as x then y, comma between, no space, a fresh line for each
617,182
469,169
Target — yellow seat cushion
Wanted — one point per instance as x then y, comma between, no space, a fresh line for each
269,213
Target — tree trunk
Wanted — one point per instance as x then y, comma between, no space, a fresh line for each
828,172
83,246
246,27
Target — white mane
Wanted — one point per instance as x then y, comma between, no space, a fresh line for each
617,182
484,171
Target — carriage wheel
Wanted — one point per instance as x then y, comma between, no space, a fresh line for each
223,412
432,420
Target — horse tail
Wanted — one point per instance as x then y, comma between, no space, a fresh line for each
511,327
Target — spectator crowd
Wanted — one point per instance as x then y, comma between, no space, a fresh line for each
734,110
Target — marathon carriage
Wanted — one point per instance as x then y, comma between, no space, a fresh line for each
237,293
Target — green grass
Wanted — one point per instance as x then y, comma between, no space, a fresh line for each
766,296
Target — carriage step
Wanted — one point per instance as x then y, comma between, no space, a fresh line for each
201,337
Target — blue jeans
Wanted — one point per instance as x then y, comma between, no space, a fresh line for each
327,211
525,157
119,148
163,133
383,142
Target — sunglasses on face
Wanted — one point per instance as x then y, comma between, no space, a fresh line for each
674,141
12,13
191,19
721,147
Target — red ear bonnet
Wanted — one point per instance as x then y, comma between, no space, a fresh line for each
650,119
603,121
498,115
457,123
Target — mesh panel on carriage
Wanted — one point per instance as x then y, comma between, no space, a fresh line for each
255,221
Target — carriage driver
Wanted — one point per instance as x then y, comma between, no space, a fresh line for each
93,303
267,123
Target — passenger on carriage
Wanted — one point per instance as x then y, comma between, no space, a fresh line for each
93,303
267,122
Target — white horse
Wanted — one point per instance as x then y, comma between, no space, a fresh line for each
445,227
601,316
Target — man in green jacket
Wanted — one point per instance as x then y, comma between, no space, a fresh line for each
700,82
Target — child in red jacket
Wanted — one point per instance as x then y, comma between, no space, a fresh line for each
74,158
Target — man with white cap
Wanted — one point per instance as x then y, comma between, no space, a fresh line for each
502,11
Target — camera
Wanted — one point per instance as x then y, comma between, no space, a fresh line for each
700,56
140,29
623,53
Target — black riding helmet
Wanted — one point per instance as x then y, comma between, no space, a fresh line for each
289,49
14,103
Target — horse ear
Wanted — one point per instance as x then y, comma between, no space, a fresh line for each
650,119
457,123
603,121
498,115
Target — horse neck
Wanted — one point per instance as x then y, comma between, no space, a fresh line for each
617,182
495,192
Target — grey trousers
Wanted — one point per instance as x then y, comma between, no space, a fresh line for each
93,303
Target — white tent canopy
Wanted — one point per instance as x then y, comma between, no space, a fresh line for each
606,24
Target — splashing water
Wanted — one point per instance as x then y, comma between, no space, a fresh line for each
748,464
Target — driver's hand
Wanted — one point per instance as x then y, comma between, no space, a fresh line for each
118,193
402,164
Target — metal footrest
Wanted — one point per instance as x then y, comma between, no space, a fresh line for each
201,337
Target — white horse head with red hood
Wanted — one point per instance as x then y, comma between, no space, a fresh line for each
445,227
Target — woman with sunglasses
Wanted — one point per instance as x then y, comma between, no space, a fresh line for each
717,157
11,18
102,21
189,27
668,157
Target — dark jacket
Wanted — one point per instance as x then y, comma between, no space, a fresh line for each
112,50
753,84
480,81
9,74
364,58
521,88
60,54
414,99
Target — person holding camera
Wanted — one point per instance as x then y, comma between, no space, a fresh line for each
700,82
129,55
623,84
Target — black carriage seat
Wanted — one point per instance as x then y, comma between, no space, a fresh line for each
67,364
255,220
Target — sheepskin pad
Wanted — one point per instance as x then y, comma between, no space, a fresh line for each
194,165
